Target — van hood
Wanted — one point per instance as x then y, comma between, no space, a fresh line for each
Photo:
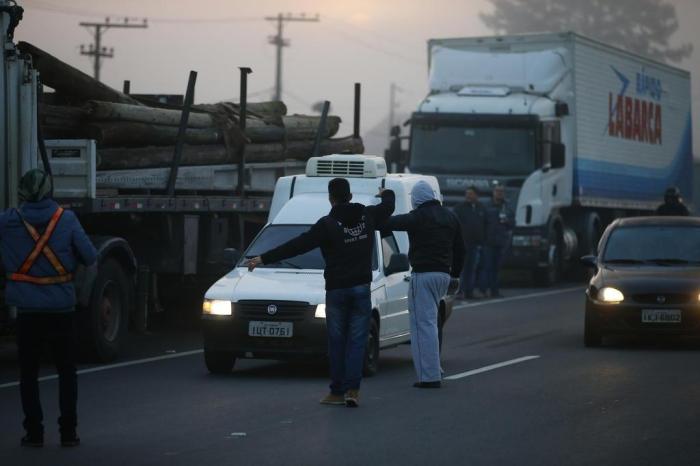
273,284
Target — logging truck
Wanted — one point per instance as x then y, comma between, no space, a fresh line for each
161,228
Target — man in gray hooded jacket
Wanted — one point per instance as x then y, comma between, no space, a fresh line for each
436,252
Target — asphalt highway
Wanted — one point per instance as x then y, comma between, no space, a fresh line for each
520,389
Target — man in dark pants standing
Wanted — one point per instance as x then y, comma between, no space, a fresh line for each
500,220
472,218
346,238
41,244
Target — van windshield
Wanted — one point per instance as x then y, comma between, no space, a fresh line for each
276,235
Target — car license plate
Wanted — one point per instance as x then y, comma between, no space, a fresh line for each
270,329
661,316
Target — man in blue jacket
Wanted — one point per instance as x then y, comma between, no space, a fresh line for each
500,220
40,245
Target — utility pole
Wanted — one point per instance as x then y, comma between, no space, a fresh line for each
393,90
279,42
96,49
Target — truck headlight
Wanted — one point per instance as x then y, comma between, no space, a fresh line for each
216,307
610,295
320,311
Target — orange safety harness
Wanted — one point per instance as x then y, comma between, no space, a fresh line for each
41,246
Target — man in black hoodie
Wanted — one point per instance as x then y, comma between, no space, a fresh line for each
346,238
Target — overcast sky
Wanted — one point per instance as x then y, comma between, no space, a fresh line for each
370,41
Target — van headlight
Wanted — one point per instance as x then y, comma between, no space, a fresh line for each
320,311
610,295
216,307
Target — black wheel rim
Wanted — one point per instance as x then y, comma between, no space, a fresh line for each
110,311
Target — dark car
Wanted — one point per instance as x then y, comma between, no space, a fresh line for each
647,279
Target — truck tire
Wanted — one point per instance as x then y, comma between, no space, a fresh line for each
550,275
219,362
106,319
371,365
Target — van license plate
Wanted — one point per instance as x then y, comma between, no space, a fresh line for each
661,316
270,329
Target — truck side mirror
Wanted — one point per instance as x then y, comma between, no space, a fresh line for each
557,155
397,264
231,256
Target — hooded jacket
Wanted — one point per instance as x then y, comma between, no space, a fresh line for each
434,233
69,242
346,238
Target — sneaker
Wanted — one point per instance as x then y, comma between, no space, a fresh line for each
436,384
70,439
33,440
332,399
352,398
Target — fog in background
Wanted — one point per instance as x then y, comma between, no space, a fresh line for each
372,42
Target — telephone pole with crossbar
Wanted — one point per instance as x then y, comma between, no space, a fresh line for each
279,42
96,50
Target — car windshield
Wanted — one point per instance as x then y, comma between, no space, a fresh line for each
275,235
654,244
467,150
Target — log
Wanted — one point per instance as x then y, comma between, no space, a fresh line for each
97,110
65,79
130,134
274,108
296,127
155,157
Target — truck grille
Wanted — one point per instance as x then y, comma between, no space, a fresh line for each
340,168
286,310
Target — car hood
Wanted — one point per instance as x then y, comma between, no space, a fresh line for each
270,284
651,279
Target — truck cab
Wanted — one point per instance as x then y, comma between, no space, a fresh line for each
278,311
565,124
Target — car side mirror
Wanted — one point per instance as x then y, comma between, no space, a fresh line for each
397,264
589,261
231,256
557,155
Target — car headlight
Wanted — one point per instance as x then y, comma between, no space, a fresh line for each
320,311
610,295
216,307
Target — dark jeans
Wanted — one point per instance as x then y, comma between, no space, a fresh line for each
57,331
468,277
348,311
492,261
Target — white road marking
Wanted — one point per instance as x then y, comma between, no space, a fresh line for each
491,367
115,366
541,294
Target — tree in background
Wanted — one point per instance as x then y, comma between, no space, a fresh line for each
640,26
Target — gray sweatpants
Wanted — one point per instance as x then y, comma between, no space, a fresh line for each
425,293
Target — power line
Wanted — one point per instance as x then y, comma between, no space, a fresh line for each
280,42
68,11
96,50
359,41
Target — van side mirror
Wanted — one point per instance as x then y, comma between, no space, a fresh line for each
231,256
397,264
590,262
557,155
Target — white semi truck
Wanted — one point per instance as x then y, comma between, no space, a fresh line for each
578,132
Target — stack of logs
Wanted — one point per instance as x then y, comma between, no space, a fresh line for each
133,133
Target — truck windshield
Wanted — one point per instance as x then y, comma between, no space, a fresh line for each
472,150
275,235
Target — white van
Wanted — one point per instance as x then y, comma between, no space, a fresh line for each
278,311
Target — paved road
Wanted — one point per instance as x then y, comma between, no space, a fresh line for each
541,399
